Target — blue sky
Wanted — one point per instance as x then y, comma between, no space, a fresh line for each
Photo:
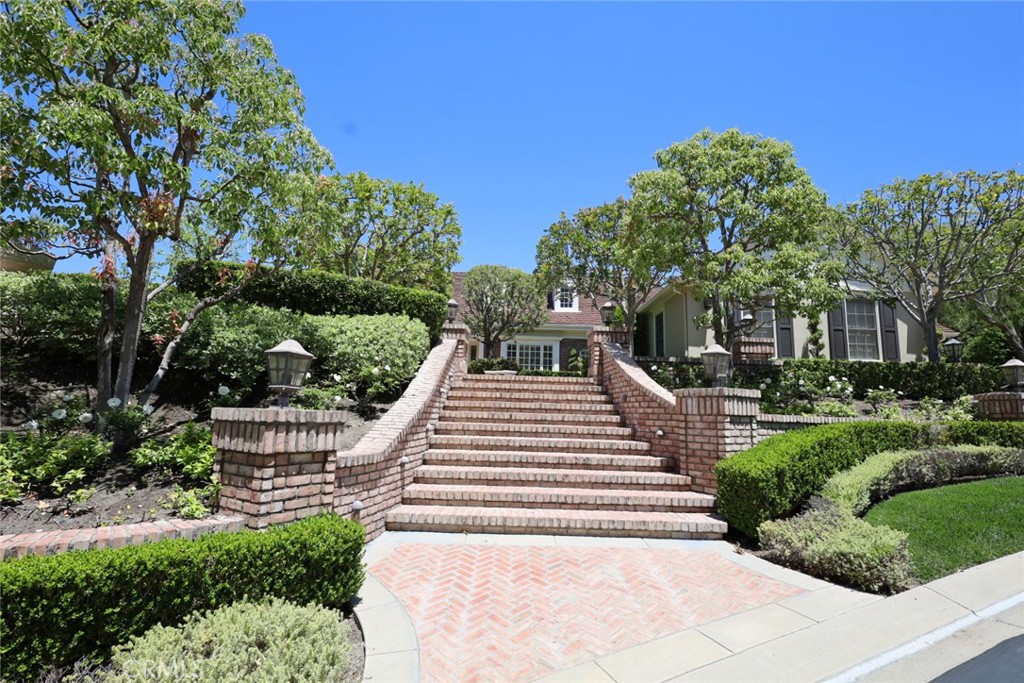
515,112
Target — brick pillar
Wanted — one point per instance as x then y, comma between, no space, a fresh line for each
1001,405
460,333
598,336
716,423
275,465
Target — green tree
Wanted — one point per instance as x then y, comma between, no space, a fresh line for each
601,252
502,302
133,131
743,222
378,229
938,239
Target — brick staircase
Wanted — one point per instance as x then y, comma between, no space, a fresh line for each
546,455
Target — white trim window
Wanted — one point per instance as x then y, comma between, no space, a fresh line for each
565,299
532,355
862,329
764,325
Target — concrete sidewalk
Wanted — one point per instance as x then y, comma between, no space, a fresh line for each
527,608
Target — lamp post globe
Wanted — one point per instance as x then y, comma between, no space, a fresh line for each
1013,372
716,364
954,349
287,365
608,313
453,310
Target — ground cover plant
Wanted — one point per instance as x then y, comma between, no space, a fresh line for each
60,609
958,526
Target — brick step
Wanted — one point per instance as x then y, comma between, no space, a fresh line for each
565,461
592,408
523,429
527,393
557,498
536,444
551,477
498,389
519,380
537,417
557,522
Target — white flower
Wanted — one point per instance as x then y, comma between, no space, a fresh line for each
148,410
336,377
375,371
223,390
114,402
845,380
85,418
901,393
768,380
831,378
67,398
33,425
881,387
59,414
337,399
762,386
801,382
387,368
654,368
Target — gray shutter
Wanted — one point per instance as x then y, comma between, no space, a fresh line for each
551,301
784,347
837,334
890,334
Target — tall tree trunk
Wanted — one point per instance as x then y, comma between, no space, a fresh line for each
931,335
135,311
105,330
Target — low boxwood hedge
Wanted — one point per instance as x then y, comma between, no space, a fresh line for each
774,478
78,605
321,293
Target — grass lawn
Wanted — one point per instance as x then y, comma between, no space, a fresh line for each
959,526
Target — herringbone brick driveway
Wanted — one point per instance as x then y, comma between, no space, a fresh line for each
514,614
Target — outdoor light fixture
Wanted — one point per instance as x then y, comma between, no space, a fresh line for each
453,310
287,365
954,349
716,364
608,313
1013,371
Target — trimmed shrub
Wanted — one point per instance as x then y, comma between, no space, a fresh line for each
1009,434
480,365
59,609
833,544
775,477
884,474
271,642
321,293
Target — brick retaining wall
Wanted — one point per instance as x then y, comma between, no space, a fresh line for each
1001,405
58,541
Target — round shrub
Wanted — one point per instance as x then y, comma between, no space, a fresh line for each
268,642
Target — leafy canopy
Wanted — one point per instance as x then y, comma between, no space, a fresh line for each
502,302
743,222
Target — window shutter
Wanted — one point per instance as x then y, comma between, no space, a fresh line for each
784,347
890,334
837,334
551,301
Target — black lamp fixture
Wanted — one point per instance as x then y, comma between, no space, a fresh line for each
954,349
716,364
1013,372
608,313
453,310
288,366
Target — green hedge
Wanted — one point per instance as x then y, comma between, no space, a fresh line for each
322,293
946,381
61,608
776,477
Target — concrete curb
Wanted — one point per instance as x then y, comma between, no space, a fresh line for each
392,647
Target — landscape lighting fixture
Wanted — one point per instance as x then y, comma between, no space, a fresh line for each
287,365
716,364
608,313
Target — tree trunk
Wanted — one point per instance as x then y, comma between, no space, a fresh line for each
105,330
931,335
135,311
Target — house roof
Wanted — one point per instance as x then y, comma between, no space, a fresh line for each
588,315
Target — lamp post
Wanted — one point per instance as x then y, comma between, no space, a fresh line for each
453,310
1013,372
608,313
287,365
954,349
716,364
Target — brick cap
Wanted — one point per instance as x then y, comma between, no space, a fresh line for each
727,392
1000,396
628,365
806,419
279,416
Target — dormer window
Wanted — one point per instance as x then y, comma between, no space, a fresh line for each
565,299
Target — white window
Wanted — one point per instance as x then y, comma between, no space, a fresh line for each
532,356
861,329
763,326
565,299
